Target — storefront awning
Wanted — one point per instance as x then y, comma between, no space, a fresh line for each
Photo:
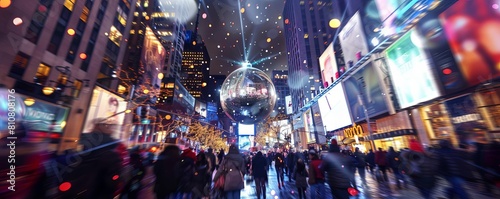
347,141
391,134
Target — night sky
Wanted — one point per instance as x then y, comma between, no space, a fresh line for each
220,28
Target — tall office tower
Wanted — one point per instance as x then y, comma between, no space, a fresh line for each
280,81
307,35
195,65
53,52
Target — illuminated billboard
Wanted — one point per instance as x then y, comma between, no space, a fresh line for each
328,66
246,129
105,104
353,40
411,73
289,107
334,110
153,58
245,142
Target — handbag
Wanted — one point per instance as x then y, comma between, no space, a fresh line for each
219,182
233,179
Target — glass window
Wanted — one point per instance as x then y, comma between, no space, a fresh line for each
42,74
115,36
19,65
85,14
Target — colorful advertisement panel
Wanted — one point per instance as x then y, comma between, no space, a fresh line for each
411,72
44,116
364,90
309,126
245,142
105,104
289,107
201,108
328,66
353,40
334,110
430,36
153,57
472,29
396,14
468,123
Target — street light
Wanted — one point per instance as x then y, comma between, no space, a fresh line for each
61,83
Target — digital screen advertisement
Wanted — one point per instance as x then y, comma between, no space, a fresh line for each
334,110
430,36
245,142
201,108
411,72
395,14
328,66
472,29
246,129
365,84
353,40
309,126
153,57
105,104
43,116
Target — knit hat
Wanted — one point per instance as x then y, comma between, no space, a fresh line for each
334,147
416,146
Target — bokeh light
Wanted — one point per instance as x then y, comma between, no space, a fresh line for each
83,56
4,3
17,21
71,31
204,15
334,23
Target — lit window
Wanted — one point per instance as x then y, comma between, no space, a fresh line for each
122,89
115,36
69,4
42,73
77,88
85,14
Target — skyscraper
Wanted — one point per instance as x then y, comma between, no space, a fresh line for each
307,35
195,65
280,81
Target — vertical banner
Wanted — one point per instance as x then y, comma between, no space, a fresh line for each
289,107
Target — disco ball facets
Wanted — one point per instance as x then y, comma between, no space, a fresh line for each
248,95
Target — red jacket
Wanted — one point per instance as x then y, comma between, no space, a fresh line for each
381,158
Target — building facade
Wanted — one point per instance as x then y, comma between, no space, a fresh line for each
280,81
195,67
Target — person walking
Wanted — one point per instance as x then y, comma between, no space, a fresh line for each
337,167
370,160
394,162
300,175
211,160
279,166
167,172
259,172
360,164
316,175
233,168
421,166
290,163
381,162
449,167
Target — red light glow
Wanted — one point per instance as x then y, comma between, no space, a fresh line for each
447,71
83,56
115,177
65,186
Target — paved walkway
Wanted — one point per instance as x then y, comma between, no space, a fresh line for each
372,190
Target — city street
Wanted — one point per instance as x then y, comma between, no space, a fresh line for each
372,190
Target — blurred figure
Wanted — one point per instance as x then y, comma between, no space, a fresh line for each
370,160
290,163
168,172
316,175
259,172
381,162
491,162
300,176
360,164
394,162
221,155
137,173
187,168
450,169
337,167
97,175
211,160
421,166
201,178
233,166
279,165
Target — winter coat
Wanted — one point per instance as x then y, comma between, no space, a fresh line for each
259,167
316,172
211,160
168,173
381,158
370,158
232,163
338,170
360,159
427,164
300,178
279,160
393,159
449,162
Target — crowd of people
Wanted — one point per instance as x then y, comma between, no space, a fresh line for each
105,168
